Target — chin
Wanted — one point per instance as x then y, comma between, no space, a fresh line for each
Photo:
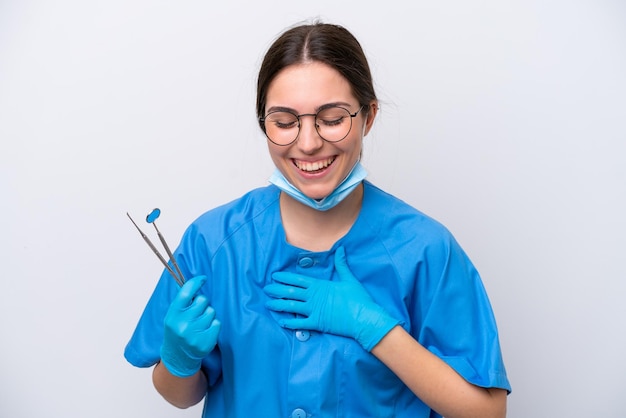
317,195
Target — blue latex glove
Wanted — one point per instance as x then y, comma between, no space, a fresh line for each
340,307
191,330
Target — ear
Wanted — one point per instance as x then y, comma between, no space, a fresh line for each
371,115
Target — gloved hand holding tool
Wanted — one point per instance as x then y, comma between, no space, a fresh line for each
340,307
191,330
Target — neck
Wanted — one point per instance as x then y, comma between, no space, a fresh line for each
316,230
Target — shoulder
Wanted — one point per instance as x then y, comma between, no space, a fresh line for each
224,220
405,232
389,213
244,207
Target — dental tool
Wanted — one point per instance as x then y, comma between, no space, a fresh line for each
151,218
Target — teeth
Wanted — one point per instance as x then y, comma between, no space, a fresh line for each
317,165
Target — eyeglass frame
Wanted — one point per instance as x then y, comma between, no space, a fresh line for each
352,116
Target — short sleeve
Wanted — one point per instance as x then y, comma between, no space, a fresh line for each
458,324
143,349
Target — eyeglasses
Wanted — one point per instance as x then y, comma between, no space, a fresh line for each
331,123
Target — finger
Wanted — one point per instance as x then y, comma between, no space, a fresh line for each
292,279
341,265
197,307
296,323
205,319
209,336
202,342
282,291
188,291
213,331
289,306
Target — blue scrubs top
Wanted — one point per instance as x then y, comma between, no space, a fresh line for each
409,263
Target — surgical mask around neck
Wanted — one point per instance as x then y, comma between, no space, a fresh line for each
352,180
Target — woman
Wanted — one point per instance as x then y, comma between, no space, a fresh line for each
320,294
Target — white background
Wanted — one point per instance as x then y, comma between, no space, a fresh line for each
506,121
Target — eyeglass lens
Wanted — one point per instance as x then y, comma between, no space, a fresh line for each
332,124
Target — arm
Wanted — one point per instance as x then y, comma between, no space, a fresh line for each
189,334
436,383
345,308
182,392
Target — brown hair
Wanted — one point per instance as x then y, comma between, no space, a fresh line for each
330,44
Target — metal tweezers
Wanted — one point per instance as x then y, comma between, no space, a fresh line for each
178,275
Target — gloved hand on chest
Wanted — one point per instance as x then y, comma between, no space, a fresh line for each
340,307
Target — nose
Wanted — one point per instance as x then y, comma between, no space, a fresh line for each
309,140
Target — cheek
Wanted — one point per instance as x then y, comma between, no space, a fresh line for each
276,154
353,145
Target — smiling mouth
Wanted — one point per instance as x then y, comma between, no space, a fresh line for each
312,167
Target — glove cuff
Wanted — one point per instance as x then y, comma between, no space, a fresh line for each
375,330
179,367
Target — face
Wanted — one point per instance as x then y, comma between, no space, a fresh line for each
314,166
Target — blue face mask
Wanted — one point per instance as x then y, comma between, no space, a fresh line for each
346,187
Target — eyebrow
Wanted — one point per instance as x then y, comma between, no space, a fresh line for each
317,109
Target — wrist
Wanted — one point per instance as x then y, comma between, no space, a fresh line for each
377,326
180,392
179,364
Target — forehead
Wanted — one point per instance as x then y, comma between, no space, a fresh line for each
307,86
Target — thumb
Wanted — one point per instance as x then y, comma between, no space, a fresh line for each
341,265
